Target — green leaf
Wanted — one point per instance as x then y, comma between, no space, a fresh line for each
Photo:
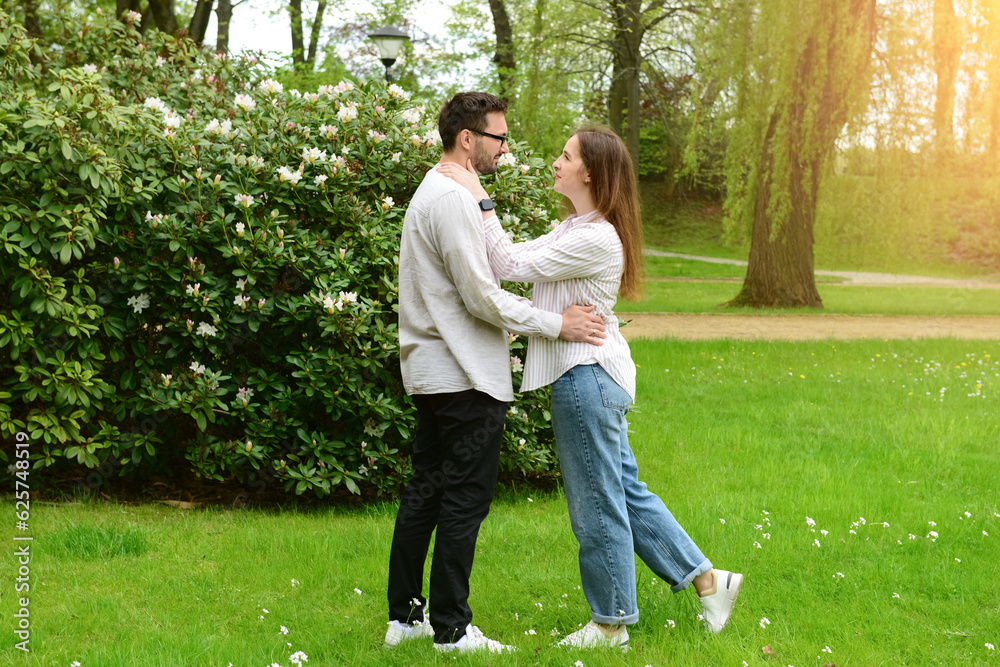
67,150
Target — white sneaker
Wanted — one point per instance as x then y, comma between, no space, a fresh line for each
401,632
474,640
718,604
591,636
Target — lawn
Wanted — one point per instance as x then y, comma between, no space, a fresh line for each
855,484
707,297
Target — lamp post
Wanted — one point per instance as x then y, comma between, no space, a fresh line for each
389,41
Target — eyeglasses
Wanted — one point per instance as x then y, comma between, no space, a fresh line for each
502,140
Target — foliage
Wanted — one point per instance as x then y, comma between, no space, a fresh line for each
201,266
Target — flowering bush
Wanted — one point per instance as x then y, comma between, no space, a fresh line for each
201,266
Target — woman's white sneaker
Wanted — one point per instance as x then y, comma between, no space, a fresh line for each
591,636
474,640
401,632
718,604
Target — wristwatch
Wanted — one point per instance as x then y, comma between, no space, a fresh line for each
486,204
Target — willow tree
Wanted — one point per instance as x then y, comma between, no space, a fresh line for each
802,70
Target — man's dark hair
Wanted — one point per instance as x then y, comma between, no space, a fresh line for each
466,111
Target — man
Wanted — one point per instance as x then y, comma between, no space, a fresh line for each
453,319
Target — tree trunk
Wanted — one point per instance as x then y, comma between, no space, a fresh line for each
298,47
947,53
504,55
164,15
624,104
801,135
225,14
314,34
122,6
780,271
32,24
199,21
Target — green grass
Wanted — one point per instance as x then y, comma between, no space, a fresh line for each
706,297
761,435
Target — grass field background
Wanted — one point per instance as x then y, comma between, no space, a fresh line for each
746,442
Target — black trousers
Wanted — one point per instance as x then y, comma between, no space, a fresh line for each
456,455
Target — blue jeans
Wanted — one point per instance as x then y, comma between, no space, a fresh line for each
613,514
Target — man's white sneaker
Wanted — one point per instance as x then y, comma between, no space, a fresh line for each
474,640
718,604
401,632
591,636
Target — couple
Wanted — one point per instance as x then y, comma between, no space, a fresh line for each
453,319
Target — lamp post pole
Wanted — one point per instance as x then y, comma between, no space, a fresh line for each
389,41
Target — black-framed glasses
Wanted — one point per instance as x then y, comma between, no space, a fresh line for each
502,140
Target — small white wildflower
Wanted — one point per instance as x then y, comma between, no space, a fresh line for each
764,622
722,521
283,630
810,522
507,160
358,591
670,624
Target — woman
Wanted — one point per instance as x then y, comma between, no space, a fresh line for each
588,259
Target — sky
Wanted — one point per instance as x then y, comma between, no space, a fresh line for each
263,24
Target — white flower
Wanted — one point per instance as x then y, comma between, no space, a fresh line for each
255,162
516,365
216,128
670,624
244,201
507,160
810,522
328,304
245,102
270,87
160,61
155,104
139,302
344,87
311,155
240,227
432,138
241,285
396,91
90,68
358,591
990,646
895,596
412,115
347,113
578,663
206,329
171,120
395,157
298,657
764,622
328,131
722,521
283,630
320,180
198,370
387,203
285,174
348,297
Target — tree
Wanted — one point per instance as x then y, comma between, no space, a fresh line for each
305,57
802,71
504,55
947,55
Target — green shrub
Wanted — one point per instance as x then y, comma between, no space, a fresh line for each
200,267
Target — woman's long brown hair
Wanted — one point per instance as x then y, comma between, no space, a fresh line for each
616,194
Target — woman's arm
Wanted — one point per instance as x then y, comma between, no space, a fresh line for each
579,253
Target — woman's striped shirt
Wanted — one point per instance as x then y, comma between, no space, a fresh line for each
579,262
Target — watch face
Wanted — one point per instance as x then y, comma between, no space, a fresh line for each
486,204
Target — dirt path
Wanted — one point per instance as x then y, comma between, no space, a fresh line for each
693,326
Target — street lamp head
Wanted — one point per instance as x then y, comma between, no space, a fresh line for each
389,41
